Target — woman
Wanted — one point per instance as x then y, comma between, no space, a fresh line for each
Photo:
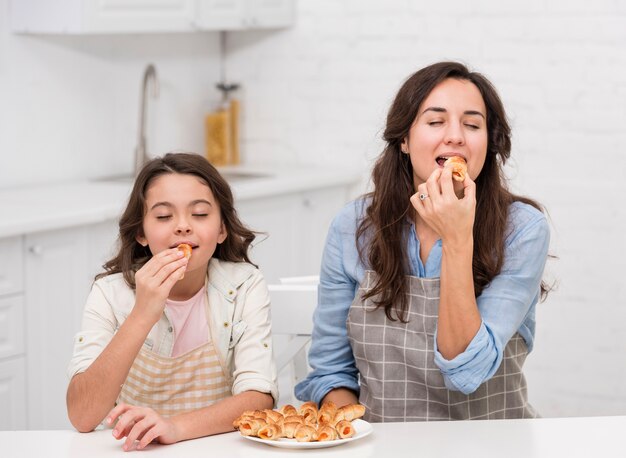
428,285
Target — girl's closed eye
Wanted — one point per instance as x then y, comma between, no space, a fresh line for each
163,217
200,214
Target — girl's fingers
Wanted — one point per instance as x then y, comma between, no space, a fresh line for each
137,433
148,437
169,270
161,259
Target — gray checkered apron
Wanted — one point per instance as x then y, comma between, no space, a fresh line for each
398,376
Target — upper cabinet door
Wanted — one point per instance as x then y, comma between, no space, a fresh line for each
270,13
137,16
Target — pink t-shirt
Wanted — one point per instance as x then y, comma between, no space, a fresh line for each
189,321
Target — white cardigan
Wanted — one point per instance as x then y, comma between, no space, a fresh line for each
238,315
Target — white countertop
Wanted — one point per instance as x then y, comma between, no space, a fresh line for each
546,438
41,208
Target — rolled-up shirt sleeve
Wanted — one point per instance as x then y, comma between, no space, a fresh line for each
330,355
504,306
254,367
98,327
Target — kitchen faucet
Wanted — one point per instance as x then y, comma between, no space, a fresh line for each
141,153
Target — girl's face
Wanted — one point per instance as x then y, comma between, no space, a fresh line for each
181,209
452,121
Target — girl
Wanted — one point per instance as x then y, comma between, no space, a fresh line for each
182,346
428,285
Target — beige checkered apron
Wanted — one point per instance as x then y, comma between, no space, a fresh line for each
398,376
175,385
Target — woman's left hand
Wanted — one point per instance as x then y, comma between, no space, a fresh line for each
141,424
448,215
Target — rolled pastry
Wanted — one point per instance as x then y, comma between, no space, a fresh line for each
344,429
309,411
251,427
305,433
288,410
273,416
459,167
349,412
327,413
326,433
289,429
240,418
294,419
270,432
186,249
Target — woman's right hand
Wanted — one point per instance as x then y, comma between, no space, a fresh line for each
154,282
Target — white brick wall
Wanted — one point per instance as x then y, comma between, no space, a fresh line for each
318,93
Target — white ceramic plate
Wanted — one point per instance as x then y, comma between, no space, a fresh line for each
361,429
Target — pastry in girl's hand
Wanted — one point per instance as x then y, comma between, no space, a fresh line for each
186,249
459,167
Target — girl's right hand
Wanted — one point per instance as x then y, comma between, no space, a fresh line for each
155,280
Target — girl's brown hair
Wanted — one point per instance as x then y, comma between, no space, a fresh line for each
132,255
385,217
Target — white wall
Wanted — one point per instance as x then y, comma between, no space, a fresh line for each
318,93
69,105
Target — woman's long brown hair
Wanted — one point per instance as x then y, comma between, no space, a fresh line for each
385,221
132,256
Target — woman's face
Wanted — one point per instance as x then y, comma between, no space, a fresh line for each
452,121
182,209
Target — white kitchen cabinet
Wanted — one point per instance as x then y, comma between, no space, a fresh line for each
60,266
244,14
141,16
12,331
12,394
296,226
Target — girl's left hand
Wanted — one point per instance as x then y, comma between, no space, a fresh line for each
141,424
448,215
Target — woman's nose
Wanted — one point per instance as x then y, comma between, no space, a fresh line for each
454,135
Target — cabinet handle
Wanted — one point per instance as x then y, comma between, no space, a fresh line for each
36,250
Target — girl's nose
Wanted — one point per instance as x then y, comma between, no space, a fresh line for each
183,228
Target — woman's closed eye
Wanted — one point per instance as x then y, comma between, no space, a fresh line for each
472,126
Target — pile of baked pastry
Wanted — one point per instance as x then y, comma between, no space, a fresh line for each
305,424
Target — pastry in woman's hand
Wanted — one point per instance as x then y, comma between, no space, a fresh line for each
459,167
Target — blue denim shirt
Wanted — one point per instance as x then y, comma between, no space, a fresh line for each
506,306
